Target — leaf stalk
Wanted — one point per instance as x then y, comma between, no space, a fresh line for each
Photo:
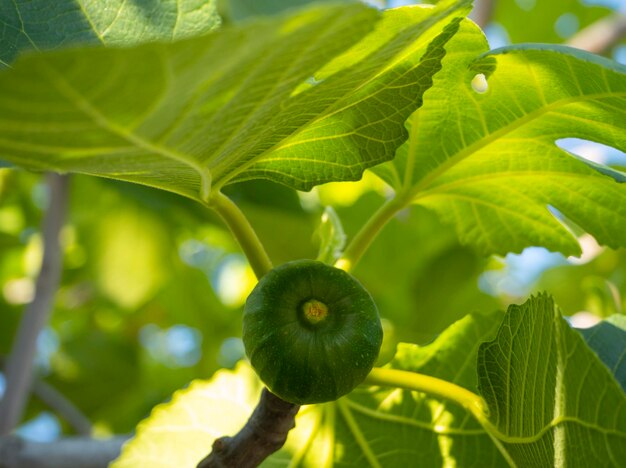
243,232
370,230
430,385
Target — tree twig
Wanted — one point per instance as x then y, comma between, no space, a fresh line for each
601,36
62,407
482,12
264,433
75,452
20,363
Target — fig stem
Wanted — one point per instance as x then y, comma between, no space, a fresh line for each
430,385
243,232
443,389
363,239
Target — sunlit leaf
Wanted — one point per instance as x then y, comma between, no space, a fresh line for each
236,104
487,162
180,433
552,402
547,393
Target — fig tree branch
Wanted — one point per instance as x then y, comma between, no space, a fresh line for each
600,37
19,368
265,432
482,12
75,452
63,407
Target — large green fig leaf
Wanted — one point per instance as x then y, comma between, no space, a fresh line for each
180,433
42,24
237,104
483,154
549,395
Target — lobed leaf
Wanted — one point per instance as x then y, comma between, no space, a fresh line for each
487,162
552,402
180,433
237,104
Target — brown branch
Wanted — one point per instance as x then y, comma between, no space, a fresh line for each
264,433
63,407
601,36
75,452
19,367
482,12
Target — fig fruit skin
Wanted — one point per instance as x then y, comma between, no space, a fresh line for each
311,360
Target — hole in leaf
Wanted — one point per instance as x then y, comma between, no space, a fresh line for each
619,55
497,35
583,320
479,83
597,153
515,274
588,244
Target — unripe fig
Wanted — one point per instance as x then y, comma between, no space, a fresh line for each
311,331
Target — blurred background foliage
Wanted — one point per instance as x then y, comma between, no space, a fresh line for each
153,285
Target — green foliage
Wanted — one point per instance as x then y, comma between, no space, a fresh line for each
42,25
375,426
473,158
176,433
154,119
537,20
548,394
608,340
601,282
157,95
